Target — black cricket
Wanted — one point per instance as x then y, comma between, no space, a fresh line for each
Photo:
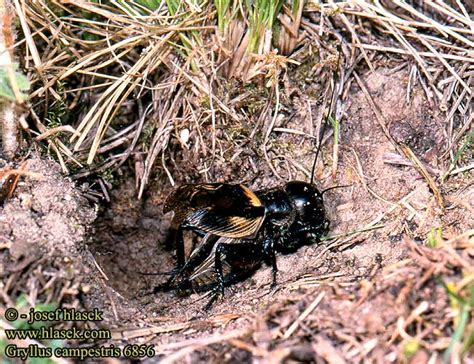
239,229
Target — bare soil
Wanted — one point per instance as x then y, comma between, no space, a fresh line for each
43,232
360,296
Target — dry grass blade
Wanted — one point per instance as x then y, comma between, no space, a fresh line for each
416,162
136,333
442,29
26,30
56,130
447,65
380,119
303,315
381,48
197,343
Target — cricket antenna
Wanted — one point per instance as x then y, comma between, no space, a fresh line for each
334,187
326,121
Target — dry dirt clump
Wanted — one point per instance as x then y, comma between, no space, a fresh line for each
47,214
44,223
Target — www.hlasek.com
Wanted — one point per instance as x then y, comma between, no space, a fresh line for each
44,334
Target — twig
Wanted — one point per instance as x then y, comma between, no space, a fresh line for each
303,315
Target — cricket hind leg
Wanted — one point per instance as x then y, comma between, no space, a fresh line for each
179,276
179,242
233,263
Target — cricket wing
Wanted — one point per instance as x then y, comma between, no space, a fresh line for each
227,210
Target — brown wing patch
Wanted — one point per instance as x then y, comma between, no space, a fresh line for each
184,195
252,197
227,226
